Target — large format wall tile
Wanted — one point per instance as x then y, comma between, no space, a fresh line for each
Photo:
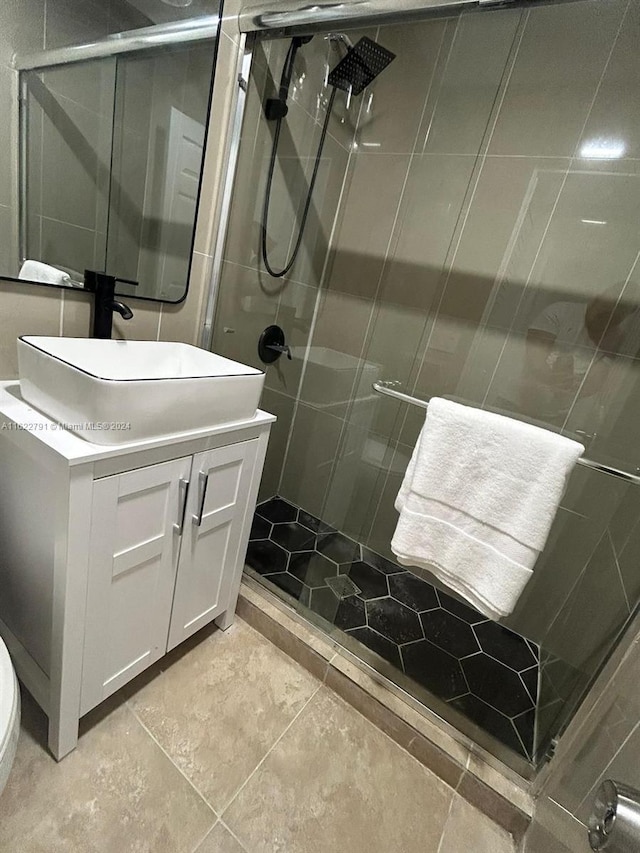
597,599
366,221
310,264
245,307
308,464
509,211
26,310
435,191
614,388
407,80
281,406
615,120
21,28
558,67
468,85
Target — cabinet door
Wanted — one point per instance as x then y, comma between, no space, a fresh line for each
210,554
135,544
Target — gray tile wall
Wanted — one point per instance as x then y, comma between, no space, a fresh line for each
249,300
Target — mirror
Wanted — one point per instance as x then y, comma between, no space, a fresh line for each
110,138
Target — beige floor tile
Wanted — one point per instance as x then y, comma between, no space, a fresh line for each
117,792
218,710
469,829
220,840
335,782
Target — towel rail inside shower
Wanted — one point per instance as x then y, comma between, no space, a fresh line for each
390,389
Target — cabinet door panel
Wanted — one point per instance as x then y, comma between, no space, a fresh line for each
216,510
132,566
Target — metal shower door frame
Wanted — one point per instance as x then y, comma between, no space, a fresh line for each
229,168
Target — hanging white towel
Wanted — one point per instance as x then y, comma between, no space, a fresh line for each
478,500
37,271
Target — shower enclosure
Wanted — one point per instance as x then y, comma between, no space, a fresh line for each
473,233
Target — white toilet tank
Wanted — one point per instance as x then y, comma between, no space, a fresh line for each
9,714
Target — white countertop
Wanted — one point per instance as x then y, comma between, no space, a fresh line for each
15,414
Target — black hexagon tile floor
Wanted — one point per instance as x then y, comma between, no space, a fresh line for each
482,669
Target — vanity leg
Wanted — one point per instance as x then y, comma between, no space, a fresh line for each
225,620
63,735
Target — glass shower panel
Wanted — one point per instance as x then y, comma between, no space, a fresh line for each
69,129
476,237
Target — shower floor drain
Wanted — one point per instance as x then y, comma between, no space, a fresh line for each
342,586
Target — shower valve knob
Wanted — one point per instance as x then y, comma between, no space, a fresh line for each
271,345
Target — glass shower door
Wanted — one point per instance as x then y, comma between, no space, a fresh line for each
470,237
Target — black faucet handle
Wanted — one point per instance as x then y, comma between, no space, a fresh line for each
281,348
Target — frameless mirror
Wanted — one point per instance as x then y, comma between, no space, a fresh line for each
104,166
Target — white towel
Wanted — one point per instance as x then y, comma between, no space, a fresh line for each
37,271
478,499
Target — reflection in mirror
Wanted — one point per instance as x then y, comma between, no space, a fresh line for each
111,136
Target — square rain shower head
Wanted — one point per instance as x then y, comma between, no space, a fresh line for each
362,64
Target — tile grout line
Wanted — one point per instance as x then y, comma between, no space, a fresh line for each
446,822
620,578
270,750
205,836
231,832
179,769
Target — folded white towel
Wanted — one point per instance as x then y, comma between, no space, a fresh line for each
37,271
478,500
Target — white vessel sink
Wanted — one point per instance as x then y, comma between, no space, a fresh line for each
115,392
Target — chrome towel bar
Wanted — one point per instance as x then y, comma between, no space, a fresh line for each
389,389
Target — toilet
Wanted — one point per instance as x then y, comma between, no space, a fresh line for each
9,714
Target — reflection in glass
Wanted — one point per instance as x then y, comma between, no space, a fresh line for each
113,153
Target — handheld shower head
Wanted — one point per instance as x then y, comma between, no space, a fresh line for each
362,64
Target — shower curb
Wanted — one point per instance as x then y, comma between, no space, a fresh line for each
500,795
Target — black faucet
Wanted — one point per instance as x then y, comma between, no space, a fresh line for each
103,287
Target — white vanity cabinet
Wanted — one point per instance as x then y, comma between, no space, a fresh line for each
110,556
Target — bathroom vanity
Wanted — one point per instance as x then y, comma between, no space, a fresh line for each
113,554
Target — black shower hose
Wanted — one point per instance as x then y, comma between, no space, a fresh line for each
267,197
